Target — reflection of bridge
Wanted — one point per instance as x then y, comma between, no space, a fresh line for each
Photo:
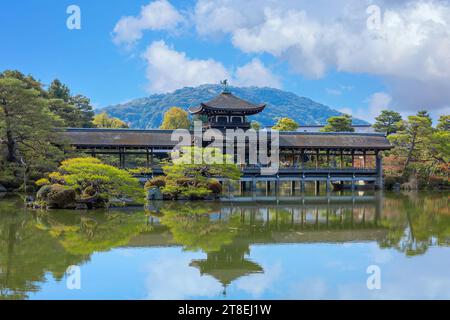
286,223
251,224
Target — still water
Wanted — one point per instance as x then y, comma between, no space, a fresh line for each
319,248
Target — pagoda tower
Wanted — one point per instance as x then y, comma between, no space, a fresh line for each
226,111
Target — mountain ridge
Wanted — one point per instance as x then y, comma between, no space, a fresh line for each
147,112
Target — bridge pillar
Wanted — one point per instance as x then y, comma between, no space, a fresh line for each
328,185
302,186
317,188
254,188
267,188
292,187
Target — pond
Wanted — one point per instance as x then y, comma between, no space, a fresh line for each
367,246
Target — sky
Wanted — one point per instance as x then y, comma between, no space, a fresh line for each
357,56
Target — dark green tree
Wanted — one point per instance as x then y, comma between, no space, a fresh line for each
339,124
387,122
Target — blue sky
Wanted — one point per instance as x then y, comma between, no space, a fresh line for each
325,51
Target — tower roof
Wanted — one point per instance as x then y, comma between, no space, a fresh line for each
227,102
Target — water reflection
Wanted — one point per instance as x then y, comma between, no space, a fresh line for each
36,244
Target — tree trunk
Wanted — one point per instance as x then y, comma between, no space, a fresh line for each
10,142
411,149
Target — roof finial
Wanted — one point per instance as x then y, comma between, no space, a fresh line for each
224,84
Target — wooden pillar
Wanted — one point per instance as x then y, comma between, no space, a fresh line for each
317,158
353,159
267,187
292,187
302,155
364,159
317,188
148,158
328,158
342,158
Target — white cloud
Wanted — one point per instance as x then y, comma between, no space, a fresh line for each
157,15
168,70
411,50
375,104
256,74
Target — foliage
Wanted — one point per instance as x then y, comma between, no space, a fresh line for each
158,182
42,182
387,122
339,124
28,144
286,124
424,151
412,138
76,111
175,118
192,173
444,123
90,177
102,120
140,170
255,125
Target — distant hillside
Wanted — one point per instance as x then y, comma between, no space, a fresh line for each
146,113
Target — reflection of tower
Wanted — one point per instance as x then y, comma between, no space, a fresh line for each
228,264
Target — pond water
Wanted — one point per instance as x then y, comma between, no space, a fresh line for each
366,246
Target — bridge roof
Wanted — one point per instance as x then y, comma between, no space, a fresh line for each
113,138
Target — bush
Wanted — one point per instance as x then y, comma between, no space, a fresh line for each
42,182
91,181
158,182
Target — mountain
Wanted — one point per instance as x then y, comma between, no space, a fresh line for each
146,113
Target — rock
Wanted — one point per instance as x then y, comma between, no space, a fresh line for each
3,189
81,206
56,197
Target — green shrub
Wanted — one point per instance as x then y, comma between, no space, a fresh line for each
158,182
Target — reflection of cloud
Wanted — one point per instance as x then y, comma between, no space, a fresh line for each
170,277
314,288
257,284
380,256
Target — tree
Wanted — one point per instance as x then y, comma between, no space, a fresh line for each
175,118
86,111
339,124
387,122
26,128
76,111
91,178
286,124
412,138
255,125
102,120
58,90
193,172
444,123
425,114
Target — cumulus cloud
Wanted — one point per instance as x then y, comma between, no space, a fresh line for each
410,49
376,103
256,74
168,70
157,15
